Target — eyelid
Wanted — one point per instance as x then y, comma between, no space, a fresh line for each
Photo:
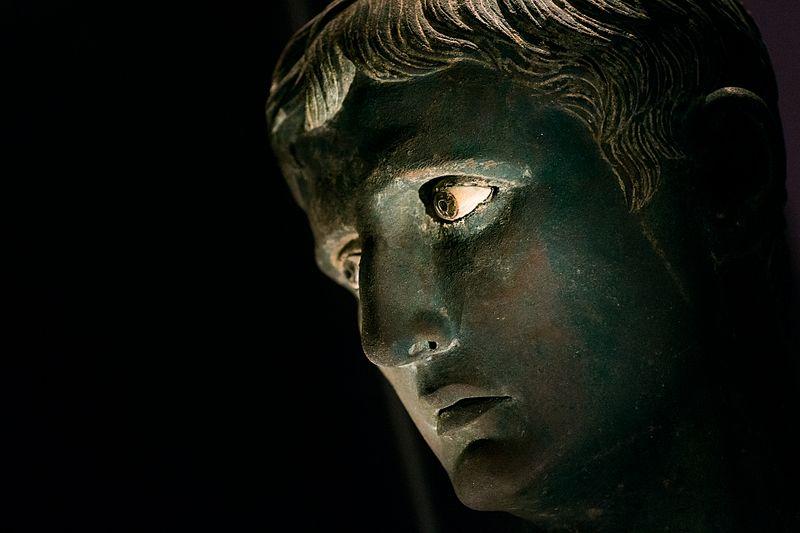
494,172
427,189
353,247
466,180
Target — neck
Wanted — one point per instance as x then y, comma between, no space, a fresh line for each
690,494
680,481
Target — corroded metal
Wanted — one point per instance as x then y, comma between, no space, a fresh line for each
544,208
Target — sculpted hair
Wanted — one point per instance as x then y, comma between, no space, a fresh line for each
628,69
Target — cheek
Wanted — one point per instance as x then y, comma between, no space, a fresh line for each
578,324
517,320
567,329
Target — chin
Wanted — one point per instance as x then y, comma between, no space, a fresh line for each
489,476
481,498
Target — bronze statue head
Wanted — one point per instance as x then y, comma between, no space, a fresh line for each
563,222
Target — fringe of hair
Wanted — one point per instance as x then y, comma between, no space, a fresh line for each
623,67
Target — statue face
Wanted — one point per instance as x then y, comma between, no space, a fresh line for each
532,326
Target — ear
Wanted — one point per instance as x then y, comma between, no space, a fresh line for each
741,168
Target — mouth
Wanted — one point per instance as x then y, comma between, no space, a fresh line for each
465,411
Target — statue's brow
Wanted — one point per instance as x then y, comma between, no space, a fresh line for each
488,168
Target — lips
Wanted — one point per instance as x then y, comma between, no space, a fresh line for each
465,411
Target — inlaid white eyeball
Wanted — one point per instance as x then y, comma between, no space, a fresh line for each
454,202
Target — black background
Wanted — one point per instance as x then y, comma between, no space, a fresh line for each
175,362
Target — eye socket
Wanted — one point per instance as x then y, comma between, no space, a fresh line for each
350,268
450,201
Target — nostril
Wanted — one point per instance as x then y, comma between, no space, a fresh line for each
422,347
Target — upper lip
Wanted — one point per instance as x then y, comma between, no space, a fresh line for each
450,402
465,411
449,395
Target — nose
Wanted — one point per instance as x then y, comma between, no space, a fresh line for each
423,347
408,309
427,334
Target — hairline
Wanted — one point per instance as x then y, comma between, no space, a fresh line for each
325,73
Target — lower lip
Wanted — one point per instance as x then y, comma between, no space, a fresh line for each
464,412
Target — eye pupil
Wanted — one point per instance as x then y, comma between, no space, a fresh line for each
446,205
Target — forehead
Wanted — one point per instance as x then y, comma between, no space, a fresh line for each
464,120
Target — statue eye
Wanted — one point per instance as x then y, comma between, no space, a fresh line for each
453,202
350,267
